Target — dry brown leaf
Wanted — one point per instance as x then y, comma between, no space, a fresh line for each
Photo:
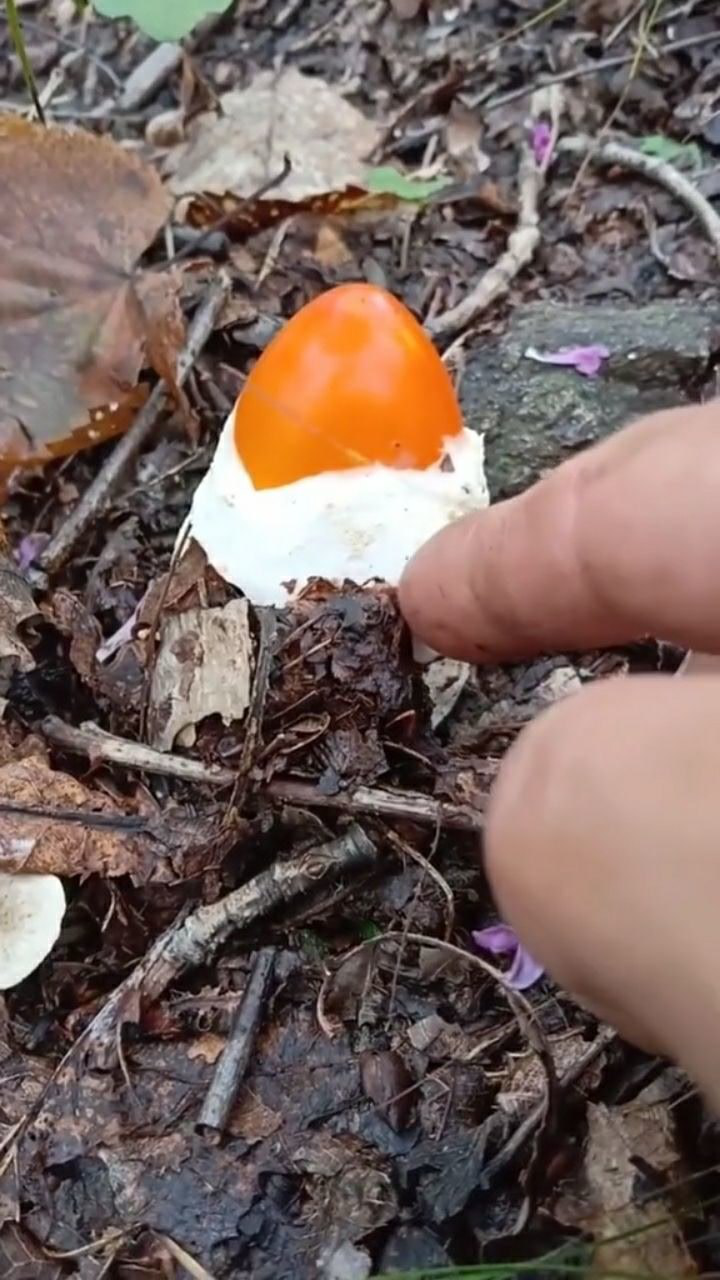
42,845
279,114
76,318
252,1120
50,824
634,1233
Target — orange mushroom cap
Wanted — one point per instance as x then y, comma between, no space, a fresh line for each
351,380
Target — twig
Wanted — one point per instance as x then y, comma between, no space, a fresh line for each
232,1065
522,244
519,1005
660,171
267,621
427,870
590,68
645,26
100,492
90,740
192,940
534,1118
187,1262
379,803
30,24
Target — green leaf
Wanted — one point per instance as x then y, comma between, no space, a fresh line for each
387,181
687,154
162,19
367,930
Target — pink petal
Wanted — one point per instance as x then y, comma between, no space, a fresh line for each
501,940
541,143
587,360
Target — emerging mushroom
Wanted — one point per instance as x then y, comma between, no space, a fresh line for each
344,452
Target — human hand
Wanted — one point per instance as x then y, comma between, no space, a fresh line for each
603,829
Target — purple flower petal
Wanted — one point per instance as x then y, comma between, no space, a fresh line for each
28,550
501,940
541,143
524,972
587,360
498,939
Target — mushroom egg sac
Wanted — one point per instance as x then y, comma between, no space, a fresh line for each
344,452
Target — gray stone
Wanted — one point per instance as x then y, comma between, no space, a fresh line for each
535,415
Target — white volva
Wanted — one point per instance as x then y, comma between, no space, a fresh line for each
359,524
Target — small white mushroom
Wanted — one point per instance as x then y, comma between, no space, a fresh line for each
31,912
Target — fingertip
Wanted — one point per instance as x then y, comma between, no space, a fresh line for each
436,592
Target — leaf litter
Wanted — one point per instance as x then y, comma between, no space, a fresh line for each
418,1104
77,321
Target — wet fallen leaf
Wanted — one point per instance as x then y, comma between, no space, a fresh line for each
22,1259
387,1082
76,317
252,1120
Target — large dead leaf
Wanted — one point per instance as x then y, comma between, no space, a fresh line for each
76,317
279,114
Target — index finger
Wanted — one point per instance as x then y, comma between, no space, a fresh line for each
620,542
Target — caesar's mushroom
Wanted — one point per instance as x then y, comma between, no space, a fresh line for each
31,912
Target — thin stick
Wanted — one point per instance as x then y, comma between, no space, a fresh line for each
30,24
519,1004
589,69
102,489
233,1063
427,869
379,803
90,740
193,939
660,171
521,248
534,1118
267,624
645,26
